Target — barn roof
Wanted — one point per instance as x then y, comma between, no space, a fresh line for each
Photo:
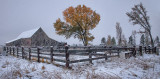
26,34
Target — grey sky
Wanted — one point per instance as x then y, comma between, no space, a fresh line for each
17,16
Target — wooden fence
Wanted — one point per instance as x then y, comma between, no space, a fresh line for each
50,53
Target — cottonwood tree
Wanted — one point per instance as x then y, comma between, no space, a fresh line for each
119,33
78,22
138,16
103,40
109,40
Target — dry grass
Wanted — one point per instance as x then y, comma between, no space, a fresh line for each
33,69
57,75
14,72
94,75
43,67
42,60
47,62
34,59
5,64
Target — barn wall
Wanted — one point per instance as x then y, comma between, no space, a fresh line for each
40,38
25,42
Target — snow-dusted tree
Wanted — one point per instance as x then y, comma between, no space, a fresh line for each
103,40
156,41
78,21
134,37
142,40
138,16
130,42
147,39
109,40
119,33
113,41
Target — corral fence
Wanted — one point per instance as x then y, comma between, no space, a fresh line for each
62,54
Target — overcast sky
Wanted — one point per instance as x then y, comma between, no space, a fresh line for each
17,16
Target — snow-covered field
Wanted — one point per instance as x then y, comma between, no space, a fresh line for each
145,67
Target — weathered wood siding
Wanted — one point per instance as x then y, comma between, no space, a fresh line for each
40,38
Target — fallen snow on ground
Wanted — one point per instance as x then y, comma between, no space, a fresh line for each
141,67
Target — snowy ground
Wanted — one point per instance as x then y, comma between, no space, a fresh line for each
145,67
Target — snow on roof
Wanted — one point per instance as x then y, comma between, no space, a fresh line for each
26,34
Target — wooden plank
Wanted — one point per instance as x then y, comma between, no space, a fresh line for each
34,55
80,53
83,60
97,54
61,55
34,48
46,50
45,53
58,50
59,60
44,57
112,56
33,51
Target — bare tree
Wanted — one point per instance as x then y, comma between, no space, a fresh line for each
119,33
138,15
124,41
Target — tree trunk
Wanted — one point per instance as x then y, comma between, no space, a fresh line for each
151,38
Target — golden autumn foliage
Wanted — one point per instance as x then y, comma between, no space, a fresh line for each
78,21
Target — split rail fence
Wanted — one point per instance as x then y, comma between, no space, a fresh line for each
51,54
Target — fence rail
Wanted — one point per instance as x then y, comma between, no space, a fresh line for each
66,52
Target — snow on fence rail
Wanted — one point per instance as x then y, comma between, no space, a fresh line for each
51,53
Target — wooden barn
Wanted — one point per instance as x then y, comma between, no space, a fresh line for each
33,38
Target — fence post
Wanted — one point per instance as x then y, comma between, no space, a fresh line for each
38,52
29,53
149,49
13,51
145,49
90,55
10,51
17,51
51,54
7,50
134,51
106,58
118,52
4,48
140,50
22,52
67,56
157,51
153,50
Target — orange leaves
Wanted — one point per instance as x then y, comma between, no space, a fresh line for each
86,17
78,21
